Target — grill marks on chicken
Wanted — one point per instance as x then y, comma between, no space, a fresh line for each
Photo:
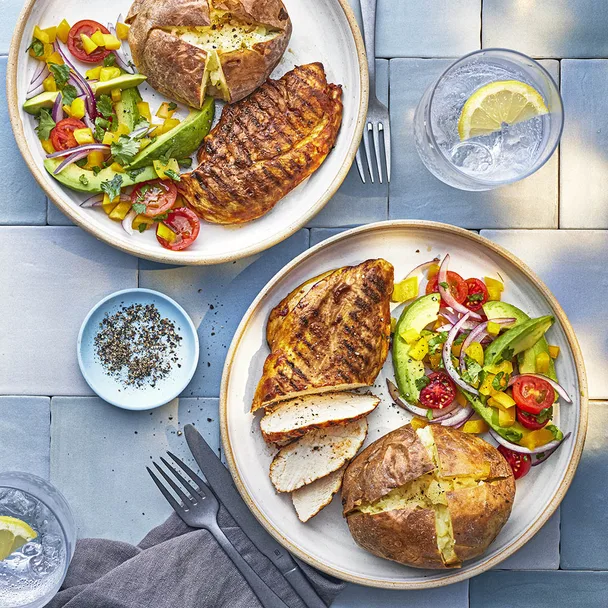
336,338
264,146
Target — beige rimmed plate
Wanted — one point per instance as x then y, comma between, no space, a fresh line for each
323,30
324,542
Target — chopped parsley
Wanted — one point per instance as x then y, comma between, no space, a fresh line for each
112,187
557,434
460,338
142,192
133,173
142,227
173,175
475,297
101,126
45,124
436,342
139,207
172,106
125,149
422,382
444,285
109,61
104,105
61,73
96,170
500,381
36,47
472,372
69,94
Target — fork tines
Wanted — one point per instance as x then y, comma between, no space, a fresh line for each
374,128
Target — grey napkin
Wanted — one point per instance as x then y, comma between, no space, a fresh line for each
175,566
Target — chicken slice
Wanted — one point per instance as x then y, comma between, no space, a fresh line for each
294,418
317,454
312,498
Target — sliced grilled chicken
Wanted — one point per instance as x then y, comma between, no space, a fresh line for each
317,454
336,338
294,418
312,498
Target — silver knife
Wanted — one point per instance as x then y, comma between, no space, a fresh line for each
220,480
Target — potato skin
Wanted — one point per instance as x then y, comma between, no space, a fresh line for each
176,68
407,535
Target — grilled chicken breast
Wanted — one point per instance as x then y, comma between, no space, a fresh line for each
310,499
264,146
336,338
294,418
316,455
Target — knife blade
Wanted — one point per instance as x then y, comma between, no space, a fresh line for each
221,482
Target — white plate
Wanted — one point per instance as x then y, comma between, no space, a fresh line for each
323,30
325,541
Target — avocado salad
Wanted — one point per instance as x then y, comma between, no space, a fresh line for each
99,136
465,359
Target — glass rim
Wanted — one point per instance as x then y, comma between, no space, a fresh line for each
536,167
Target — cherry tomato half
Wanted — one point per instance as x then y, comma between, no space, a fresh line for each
439,392
185,224
87,27
533,394
62,134
520,463
477,294
457,286
158,196
532,422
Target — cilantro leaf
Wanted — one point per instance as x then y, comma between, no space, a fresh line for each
544,415
69,94
444,285
37,47
142,227
460,338
45,124
109,61
173,175
101,126
112,187
83,179
161,217
104,105
557,434
475,297
125,149
472,372
507,354
172,106
96,170
436,342
499,383
133,173
139,207
422,382
61,73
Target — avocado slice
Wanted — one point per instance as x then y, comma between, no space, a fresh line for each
416,316
181,141
527,358
517,339
47,99
91,183
126,109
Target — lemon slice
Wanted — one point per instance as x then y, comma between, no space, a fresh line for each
14,533
503,101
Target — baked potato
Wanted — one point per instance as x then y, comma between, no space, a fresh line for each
427,498
222,48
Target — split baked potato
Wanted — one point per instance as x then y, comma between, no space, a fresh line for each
427,498
192,48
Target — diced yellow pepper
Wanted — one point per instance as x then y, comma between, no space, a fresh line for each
493,328
144,110
84,136
161,168
164,232
109,73
475,426
111,42
97,38
420,350
393,324
108,205
63,29
67,110
47,146
164,111
87,44
433,271
504,400
144,142
537,438
461,399
93,73
475,351
77,108
117,167
170,123
108,138
506,417
116,95
456,349
41,35
435,360
410,335
418,423
47,51
120,211
553,352
405,290
95,159
51,32
486,387
142,219
49,84
495,288
55,57
122,129
122,30
504,366
542,363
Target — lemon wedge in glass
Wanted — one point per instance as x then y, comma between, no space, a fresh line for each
14,533
503,101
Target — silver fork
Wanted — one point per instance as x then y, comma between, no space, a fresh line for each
199,508
378,119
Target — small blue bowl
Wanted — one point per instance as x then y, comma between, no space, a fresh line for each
144,397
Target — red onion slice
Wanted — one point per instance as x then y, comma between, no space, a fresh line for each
69,160
457,419
83,148
521,449
81,83
421,267
477,335
39,75
57,111
545,455
447,357
121,57
561,391
127,223
92,201
448,298
413,409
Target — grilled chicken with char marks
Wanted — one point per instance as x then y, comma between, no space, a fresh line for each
336,338
264,146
